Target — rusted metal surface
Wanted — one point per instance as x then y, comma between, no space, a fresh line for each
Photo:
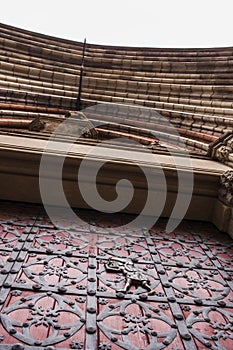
57,292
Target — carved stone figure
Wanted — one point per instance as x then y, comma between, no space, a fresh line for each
226,188
222,153
133,275
230,143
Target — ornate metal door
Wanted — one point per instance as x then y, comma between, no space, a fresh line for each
58,290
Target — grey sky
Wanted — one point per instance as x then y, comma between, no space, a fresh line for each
163,23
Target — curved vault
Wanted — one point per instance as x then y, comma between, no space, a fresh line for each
39,77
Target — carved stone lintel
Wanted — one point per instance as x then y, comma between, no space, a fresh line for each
226,188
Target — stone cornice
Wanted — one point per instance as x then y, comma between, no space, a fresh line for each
19,176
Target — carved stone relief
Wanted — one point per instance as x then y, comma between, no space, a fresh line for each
222,150
226,188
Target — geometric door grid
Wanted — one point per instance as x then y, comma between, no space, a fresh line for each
56,292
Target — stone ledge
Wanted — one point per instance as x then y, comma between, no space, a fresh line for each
19,178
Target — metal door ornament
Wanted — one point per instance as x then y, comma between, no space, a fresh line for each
133,274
